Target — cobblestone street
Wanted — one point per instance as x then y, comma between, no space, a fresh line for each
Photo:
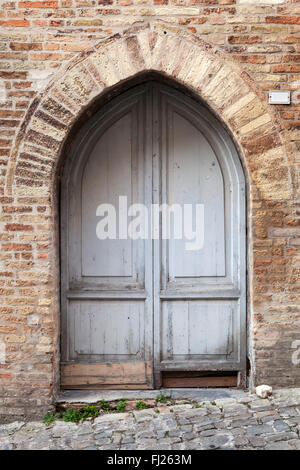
242,422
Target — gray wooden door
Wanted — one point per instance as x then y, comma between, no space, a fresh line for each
133,309
199,295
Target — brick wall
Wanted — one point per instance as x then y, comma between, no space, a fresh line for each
41,44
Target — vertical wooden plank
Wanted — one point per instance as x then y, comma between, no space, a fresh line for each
175,329
145,149
156,191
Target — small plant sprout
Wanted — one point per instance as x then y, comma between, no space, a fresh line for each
104,405
72,416
162,398
141,405
49,417
121,406
89,411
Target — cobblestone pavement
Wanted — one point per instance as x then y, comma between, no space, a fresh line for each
230,423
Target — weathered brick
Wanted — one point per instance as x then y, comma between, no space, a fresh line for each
15,23
18,227
43,4
24,46
283,19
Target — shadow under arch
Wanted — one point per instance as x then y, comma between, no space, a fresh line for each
109,94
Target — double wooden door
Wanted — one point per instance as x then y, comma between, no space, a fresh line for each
137,306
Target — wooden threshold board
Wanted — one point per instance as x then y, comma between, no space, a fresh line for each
113,375
182,380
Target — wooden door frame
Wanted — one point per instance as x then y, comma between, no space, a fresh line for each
64,251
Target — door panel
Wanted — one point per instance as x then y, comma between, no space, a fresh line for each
110,163
194,177
107,330
108,174
134,309
199,330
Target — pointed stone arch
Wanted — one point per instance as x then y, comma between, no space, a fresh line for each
191,62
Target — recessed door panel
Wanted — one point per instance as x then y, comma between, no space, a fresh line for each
108,174
199,329
194,182
107,330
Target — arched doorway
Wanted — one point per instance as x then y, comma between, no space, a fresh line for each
147,306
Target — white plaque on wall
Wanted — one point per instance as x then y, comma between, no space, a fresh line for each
279,97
